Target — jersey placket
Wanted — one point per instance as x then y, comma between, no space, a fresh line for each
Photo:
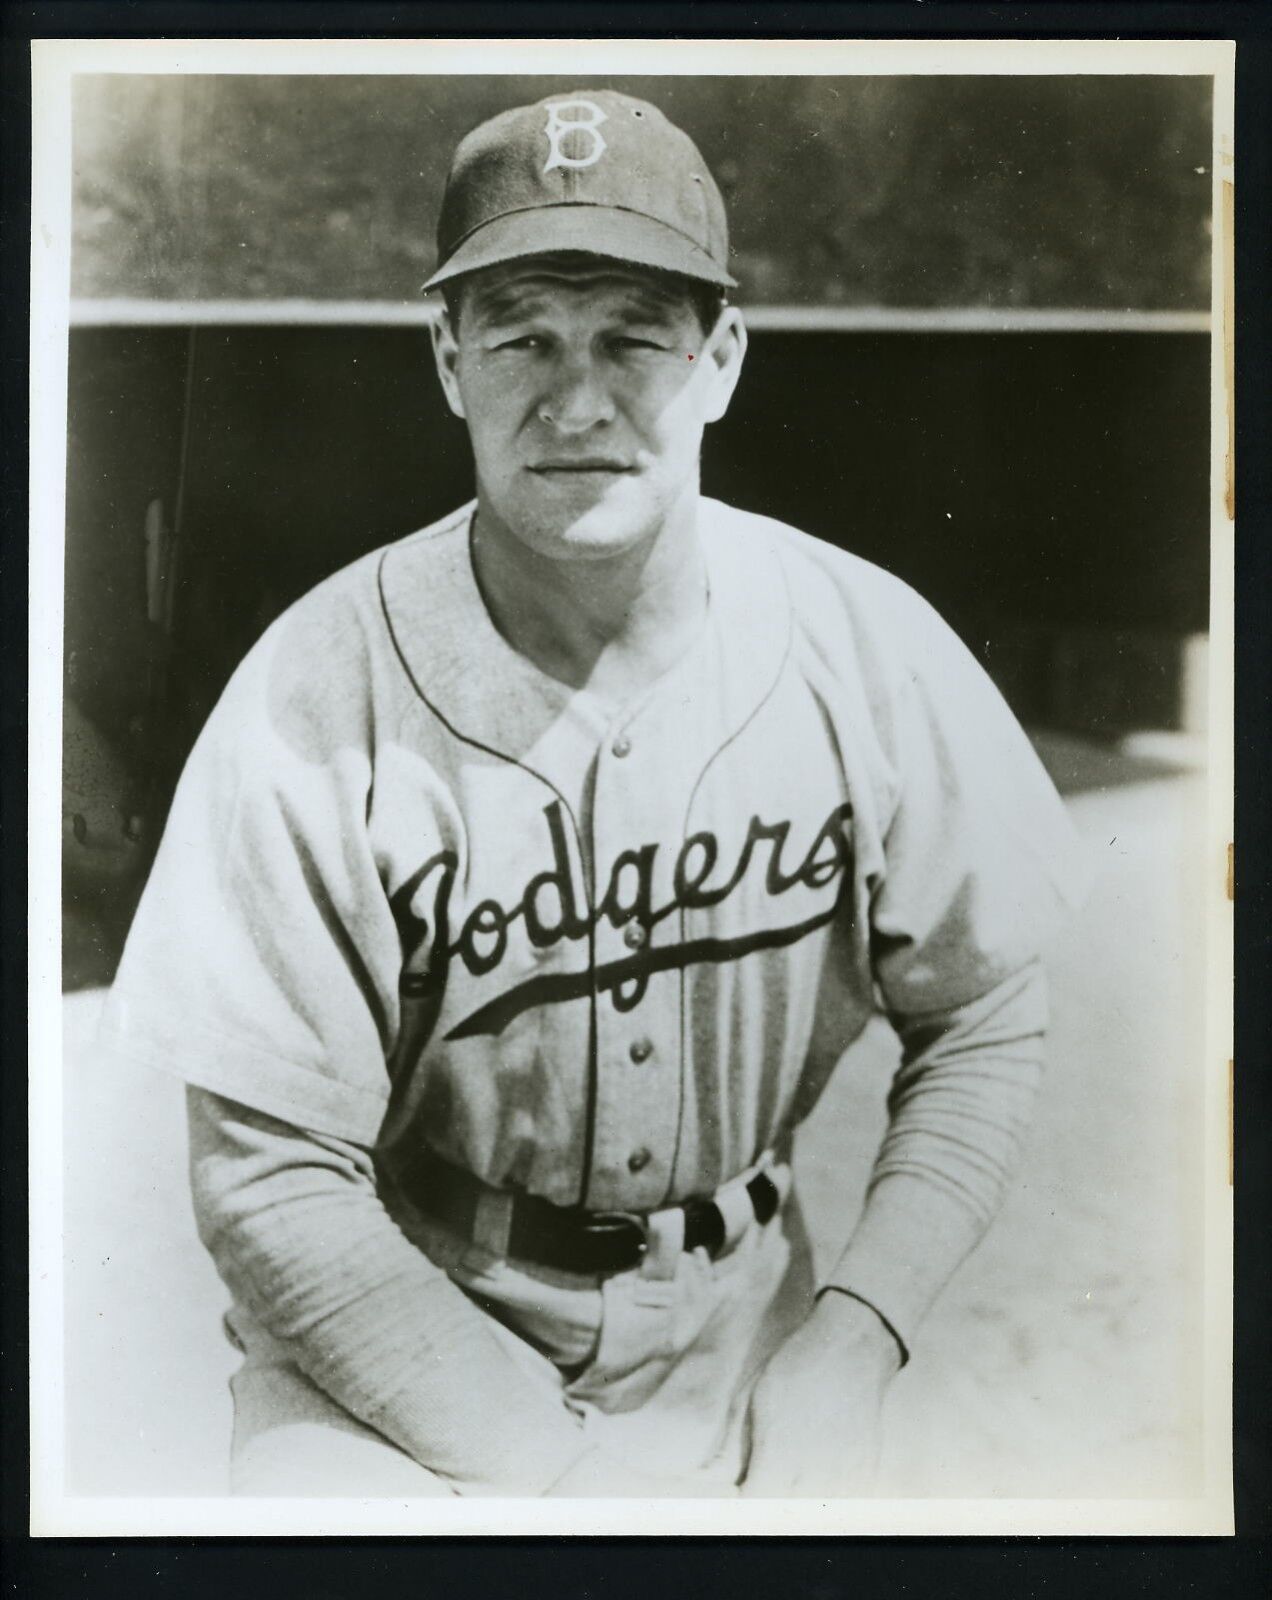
636,813
647,772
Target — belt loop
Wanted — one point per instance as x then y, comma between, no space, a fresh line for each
666,1235
492,1221
734,1205
733,1201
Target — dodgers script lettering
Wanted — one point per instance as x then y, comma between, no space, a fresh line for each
554,906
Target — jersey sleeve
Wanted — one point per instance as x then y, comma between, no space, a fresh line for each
262,963
981,860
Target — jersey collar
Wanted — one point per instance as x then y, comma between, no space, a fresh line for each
494,698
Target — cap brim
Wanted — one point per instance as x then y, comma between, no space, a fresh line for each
592,230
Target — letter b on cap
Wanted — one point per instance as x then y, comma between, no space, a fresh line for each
586,126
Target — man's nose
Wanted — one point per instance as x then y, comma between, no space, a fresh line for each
578,398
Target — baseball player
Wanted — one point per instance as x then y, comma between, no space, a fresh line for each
532,876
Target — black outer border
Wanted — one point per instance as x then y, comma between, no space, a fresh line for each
610,1568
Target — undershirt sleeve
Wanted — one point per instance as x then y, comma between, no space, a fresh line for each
959,1107
303,1242
964,1094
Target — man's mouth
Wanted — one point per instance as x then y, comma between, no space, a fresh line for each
595,465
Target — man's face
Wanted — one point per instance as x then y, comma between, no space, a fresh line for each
586,386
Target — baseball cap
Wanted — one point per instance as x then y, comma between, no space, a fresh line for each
593,171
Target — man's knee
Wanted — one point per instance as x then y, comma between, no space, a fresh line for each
308,1459
291,1439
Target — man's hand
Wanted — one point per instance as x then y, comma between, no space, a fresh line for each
814,1418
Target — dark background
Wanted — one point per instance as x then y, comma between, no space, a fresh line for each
1028,484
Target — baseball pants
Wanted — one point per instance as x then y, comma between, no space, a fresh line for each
663,1387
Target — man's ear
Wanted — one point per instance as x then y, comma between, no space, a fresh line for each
446,355
724,351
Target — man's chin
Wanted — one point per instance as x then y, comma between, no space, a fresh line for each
601,531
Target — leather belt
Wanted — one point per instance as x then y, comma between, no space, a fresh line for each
568,1237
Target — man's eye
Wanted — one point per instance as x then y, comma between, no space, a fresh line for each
634,342
524,341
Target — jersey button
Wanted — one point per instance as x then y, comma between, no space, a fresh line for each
639,1159
641,1050
622,746
634,936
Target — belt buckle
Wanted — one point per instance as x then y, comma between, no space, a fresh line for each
615,1222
